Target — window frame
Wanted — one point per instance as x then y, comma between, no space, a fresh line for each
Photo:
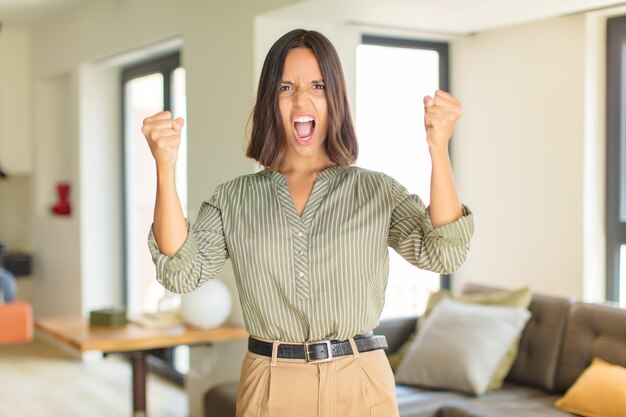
615,147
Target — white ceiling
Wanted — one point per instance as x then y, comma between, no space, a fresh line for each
439,16
444,16
26,12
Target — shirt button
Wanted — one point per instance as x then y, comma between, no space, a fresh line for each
300,234
300,252
300,274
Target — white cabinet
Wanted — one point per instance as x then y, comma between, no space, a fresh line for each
15,102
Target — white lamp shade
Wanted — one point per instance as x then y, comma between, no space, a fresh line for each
208,306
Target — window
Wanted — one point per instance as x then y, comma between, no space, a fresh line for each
616,161
148,88
393,76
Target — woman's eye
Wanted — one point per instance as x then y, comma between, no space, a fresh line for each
318,87
285,87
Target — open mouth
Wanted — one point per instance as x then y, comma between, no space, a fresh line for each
304,127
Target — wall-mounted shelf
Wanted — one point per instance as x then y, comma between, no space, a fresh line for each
19,264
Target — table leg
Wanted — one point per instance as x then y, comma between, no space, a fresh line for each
138,360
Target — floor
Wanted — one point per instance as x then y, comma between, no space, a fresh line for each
37,379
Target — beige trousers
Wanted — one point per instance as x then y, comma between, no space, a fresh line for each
359,385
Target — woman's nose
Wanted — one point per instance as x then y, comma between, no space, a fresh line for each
300,96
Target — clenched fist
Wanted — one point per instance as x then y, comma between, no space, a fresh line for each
163,136
441,114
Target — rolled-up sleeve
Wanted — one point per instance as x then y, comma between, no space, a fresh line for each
200,258
442,249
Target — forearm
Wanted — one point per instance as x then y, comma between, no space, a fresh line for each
445,206
170,228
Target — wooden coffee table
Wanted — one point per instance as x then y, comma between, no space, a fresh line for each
135,340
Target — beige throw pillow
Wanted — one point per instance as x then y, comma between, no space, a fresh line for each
519,297
460,346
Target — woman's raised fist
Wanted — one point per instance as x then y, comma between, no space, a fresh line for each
163,136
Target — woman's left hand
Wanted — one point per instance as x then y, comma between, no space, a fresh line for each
441,114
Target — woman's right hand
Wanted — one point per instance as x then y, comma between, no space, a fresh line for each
163,136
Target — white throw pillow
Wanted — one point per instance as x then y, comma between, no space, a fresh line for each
460,346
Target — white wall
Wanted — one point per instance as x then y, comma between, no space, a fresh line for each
518,153
15,102
100,179
56,261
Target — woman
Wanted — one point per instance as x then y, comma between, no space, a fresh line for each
308,237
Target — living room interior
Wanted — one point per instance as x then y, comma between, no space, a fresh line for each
529,154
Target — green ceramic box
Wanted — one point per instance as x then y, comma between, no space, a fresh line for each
108,317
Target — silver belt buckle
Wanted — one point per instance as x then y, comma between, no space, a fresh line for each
328,347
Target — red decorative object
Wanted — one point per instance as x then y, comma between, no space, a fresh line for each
62,207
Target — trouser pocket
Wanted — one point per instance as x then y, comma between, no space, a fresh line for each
379,383
252,381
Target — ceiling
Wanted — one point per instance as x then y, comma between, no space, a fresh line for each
18,13
439,16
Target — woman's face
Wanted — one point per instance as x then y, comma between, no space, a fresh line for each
303,106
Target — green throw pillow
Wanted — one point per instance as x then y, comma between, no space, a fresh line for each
512,298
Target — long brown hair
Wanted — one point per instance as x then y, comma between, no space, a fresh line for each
268,138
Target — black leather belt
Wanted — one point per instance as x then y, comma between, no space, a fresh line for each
317,351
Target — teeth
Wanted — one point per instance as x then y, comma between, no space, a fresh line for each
303,119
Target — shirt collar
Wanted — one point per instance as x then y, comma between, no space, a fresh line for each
328,173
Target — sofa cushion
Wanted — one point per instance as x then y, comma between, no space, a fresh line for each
593,330
460,346
541,341
600,391
512,400
540,406
417,402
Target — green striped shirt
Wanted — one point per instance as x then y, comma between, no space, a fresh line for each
319,276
